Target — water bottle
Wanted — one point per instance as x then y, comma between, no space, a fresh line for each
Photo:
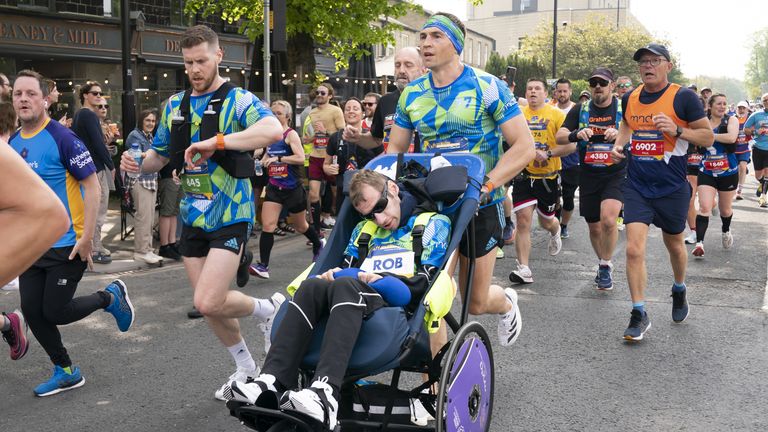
257,167
135,153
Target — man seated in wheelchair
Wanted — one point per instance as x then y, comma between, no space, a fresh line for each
390,275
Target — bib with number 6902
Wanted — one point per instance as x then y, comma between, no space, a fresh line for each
647,146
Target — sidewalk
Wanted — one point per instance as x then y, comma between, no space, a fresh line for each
122,250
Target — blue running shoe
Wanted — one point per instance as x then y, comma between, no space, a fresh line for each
639,323
679,306
564,233
121,307
60,381
604,278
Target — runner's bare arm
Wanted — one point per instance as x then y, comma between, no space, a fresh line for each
30,222
297,158
733,132
699,133
617,153
400,138
521,151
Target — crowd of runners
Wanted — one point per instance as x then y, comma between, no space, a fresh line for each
651,153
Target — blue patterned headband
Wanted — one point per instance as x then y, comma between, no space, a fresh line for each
444,24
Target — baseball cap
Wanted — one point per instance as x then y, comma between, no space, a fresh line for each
742,104
586,94
653,49
603,73
693,87
706,89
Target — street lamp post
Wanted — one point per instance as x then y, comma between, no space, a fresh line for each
554,43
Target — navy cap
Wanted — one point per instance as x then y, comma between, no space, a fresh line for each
653,49
603,73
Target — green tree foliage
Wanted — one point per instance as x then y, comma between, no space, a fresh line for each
527,67
343,27
757,68
734,89
595,42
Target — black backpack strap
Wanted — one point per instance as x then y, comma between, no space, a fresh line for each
209,126
180,138
416,237
362,249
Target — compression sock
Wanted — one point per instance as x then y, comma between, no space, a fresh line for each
311,234
315,213
242,356
702,223
764,182
639,306
726,222
266,241
262,308
6,324
678,287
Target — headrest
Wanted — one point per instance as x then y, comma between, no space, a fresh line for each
447,184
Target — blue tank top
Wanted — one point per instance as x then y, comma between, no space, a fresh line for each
717,162
281,174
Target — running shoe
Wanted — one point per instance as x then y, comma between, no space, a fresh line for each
691,238
604,278
564,232
250,390
639,323
739,197
101,258
316,253
521,275
620,223
277,300
121,307
194,313
316,401
244,268
499,253
698,250
510,323
555,243
167,251
329,222
727,240
509,233
16,336
762,202
12,285
759,190
241,376
679,306
259,270
60,381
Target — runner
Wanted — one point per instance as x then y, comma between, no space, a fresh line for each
569,174
757,126
719,173
282,162
48,287
538,186
483,108
594,126
743,152
217,209
623,86
693,163
661,118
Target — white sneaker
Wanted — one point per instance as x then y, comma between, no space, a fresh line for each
310,402
522,274
499,253
329,221
249,391
510,323
12,285
277,300
419,415
691,239
241,376
148,258
555,243
727,240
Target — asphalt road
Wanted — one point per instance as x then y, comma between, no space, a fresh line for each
569,371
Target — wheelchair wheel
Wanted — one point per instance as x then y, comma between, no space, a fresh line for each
465,396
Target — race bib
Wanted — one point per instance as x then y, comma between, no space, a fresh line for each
278,169
321,141
598,155
694,159
716,163
396,261
453,144
196,183
647,146
742,139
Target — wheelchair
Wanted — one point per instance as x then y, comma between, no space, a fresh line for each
391,340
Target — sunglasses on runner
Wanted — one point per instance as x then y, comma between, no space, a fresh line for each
380,206
625,85
322,93
102,106
369,103
594,82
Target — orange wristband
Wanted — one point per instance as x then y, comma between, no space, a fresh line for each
489,185
219,141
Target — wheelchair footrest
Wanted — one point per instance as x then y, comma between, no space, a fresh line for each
261,419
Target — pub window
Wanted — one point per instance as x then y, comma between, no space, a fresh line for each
44,4
178,18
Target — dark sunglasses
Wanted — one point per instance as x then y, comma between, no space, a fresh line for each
102,106
625,85
369,103
322,93
594,82
380,206
95,93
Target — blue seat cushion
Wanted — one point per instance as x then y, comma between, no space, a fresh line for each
378,344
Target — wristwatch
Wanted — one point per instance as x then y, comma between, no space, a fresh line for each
219,141
549,154
280,159
678,132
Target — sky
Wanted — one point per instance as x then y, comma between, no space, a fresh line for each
705,47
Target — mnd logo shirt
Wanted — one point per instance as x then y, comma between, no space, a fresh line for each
61,159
